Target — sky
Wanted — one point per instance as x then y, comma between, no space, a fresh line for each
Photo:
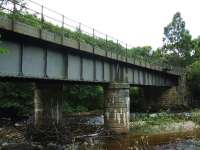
136,22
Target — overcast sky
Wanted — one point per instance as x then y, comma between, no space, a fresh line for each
137,22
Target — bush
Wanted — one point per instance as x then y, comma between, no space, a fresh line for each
193,78
17,98
79,98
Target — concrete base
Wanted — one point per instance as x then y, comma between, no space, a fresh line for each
117,107
48,104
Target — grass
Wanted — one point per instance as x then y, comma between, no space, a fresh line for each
164,122
158,119
34,21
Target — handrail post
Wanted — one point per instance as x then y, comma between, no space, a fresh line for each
126,78
63,22
93,35
106,45
42,15
79,27
79,35
126,53
118,73
14,6
42,21
14,14
117,49
94,60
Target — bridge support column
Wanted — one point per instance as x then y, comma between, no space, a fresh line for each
175,96
117,107
48,104
172,97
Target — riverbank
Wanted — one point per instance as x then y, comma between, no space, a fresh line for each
77,129
165,122
77,126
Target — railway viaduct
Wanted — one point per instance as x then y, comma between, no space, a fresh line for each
50,60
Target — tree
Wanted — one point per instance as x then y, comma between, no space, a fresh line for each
193,78
196,48
16,99
82,98
144,51
177,41
21,3
3,2
159,57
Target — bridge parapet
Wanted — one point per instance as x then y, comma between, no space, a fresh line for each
16,24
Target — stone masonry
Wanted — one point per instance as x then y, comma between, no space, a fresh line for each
48,104
117,107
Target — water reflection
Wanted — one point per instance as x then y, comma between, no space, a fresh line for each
189,140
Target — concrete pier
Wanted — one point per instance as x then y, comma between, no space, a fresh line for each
48,104
117,107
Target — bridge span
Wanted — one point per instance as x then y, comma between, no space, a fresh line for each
49,60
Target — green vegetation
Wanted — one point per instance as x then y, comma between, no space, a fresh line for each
177,41
158,119
82,98
155,123
16,99
193,78
180,49
166,122
195,117
34,21
2,49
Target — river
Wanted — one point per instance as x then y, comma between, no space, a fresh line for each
189,140
175,140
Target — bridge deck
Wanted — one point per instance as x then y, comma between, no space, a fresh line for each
36,53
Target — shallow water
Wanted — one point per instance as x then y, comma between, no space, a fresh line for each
189,140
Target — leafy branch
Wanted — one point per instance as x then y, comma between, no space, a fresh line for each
2,49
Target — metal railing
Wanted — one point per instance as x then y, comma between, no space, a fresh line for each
40,16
